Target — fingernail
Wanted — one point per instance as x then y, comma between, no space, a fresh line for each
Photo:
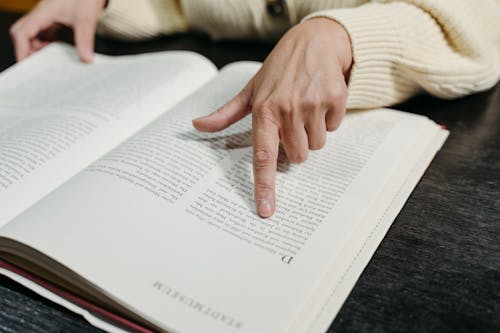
265,207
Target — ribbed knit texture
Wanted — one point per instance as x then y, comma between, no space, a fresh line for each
141,19
448,48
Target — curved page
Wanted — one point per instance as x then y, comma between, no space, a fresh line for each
58,115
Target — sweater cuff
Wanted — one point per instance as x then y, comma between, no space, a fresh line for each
377,48
135,20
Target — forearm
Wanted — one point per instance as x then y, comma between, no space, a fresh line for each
400,49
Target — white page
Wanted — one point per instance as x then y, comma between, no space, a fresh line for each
345,271
192,255
57,115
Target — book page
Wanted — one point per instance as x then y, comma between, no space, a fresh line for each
57,115
165,223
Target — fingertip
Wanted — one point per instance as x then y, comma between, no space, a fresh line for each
265,207
202,124
195,123
84,39
87,56
21,55
213,122
199,120
21,48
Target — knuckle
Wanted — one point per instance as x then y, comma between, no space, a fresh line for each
337,94
290,113
221,112
309,102
264,110
221,115
13,29
286,111
16,29
264,113
293,101
243,95
262,187
263,157
286,108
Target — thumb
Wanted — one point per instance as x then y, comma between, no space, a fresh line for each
234,110
84,38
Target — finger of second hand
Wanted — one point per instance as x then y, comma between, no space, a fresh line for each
265,156
37,44
27,28
84,34
21,39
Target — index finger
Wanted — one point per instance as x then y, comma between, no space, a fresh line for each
265,156
27,28
84,32
21,33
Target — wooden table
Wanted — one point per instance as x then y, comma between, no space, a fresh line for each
438,268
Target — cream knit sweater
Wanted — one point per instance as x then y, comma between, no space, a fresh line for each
448,48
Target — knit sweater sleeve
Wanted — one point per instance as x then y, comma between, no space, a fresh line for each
141,19
401,48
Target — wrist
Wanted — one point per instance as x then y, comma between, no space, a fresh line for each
340,39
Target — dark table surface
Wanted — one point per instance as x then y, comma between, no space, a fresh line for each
438,268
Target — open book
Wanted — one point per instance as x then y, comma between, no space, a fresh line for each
114,206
